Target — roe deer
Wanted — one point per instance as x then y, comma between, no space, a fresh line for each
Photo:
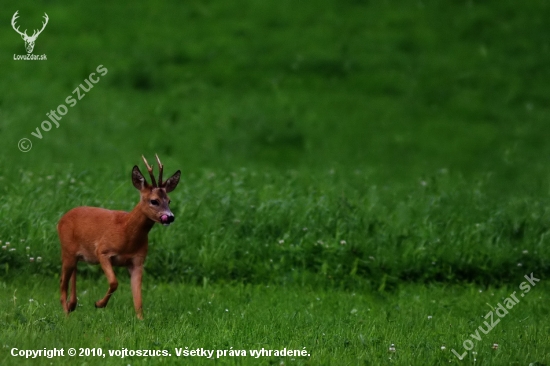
114,238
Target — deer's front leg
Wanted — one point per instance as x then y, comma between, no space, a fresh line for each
136,272
105,263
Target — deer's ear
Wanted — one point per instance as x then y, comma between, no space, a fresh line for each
172,182
137,179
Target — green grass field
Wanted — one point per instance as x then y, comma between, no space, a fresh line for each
363,181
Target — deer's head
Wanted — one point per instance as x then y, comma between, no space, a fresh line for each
154,198
29,40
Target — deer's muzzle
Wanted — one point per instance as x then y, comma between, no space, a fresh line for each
167,219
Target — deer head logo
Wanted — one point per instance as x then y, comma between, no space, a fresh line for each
29,41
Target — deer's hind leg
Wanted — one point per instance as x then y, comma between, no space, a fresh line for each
72,301
68,272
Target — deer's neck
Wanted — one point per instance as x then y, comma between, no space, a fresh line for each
138,225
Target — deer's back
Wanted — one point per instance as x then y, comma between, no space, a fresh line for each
82,228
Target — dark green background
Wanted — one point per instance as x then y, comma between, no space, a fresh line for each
398,88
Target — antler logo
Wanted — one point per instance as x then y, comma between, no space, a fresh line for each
29,41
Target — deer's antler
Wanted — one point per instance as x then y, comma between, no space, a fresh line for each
160,170
35,34
13,20
150,170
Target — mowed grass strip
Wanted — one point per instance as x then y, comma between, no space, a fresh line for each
424,323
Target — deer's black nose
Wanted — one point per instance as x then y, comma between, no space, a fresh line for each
167,219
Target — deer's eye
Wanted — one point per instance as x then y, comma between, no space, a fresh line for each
155,202
169,201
